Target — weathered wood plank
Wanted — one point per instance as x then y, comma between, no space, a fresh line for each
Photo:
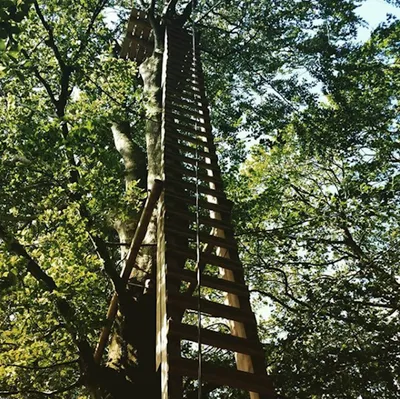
224,377
209,281
204,238
216,339
223,207
214,309
209,259
193,187
203,220
173,157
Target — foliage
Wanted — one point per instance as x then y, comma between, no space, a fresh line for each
319,220
317,200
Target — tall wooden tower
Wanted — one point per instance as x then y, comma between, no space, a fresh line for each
196,245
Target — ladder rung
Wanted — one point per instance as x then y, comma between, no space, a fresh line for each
209,259
194,112
181,171
179,100
170,134
214,309
224,208
192,186
207,221
169,116
216,339
208,281
171,157
192,150
204,238
194,88
203,133
223,376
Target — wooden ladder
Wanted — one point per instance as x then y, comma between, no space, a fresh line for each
190,166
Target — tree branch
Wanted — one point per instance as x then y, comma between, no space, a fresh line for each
32,367
41,80
63,306
274,298
76,384
51,41
109,267
187,12
96,13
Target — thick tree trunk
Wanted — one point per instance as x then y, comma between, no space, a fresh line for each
132,348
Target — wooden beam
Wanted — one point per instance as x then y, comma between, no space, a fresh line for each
215,339
224,376
129,264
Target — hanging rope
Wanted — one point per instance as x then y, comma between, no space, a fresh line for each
198,274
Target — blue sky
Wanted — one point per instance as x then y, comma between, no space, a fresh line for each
374,12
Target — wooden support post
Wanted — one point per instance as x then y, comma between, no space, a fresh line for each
129,263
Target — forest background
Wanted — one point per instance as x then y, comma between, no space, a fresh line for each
316,194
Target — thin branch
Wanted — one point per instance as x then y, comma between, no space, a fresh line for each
41,79
32,367
76,384
275,299
50,31
187,12
98,9
109,267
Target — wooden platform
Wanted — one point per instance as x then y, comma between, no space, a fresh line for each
138,41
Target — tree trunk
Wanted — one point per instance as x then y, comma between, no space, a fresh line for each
131,353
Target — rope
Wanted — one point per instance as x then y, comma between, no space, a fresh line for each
198,274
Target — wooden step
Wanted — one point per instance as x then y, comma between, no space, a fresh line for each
179,100
180,171
183,72
224,263
171,134
192,186
208,281
203,220
192,150
184,75
184,121
181,301
184,91
204,238
182,66
190,86
177,112
197,113
176,96
199,131
172,158
216,339
223,376
224,207
189,121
